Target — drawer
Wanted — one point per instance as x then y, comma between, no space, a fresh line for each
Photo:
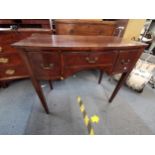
73,59
45,65
8,38
7,49
13,72
7,59
126,60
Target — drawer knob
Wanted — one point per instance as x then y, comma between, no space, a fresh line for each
91,61
125,68
10,72
47,66
4,60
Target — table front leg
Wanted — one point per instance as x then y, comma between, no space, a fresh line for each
118,86
41,96
35,81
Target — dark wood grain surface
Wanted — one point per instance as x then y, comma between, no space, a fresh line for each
74,42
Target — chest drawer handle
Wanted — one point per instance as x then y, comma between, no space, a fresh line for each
91,61
4,60
10,72
0,49
47,66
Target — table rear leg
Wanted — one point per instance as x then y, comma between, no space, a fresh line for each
100,76
50,84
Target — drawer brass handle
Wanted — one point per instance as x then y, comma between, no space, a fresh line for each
62,78
91,61
123,62
4,60
47,66
0,49
10,72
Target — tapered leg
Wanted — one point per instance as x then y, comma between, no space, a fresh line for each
39,91
120,83
35,82
100,77
50,83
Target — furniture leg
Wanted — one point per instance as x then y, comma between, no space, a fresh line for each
50,83
120,83
39,91
4,84
35,83
100,77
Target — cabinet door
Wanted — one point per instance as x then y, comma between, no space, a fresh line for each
45,65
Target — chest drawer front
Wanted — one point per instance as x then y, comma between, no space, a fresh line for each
7,59
7,48
126,60
89,59
8,37
13,72
45,65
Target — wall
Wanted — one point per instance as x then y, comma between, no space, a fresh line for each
134,28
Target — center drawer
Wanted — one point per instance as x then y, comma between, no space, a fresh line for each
73,59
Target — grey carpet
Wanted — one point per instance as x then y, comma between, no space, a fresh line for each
65,118
15,107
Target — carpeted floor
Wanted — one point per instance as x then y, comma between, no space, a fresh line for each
129,113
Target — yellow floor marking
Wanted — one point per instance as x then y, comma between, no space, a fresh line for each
82,108
92,132
78,99
95,119
87,120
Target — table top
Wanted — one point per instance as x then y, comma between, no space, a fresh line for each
76,42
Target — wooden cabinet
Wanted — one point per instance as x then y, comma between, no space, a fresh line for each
89,27
12,65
